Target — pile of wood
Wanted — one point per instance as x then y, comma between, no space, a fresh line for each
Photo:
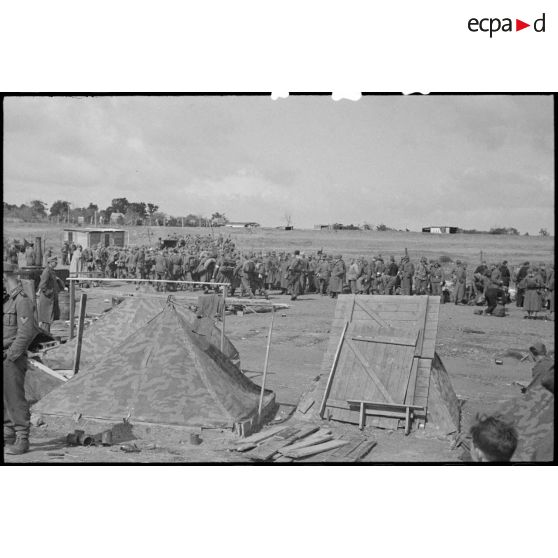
285,444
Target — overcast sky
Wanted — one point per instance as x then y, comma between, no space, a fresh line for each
469,161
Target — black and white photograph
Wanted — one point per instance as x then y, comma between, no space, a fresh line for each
239,280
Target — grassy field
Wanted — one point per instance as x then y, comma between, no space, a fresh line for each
515,249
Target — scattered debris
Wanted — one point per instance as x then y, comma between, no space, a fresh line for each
130,448
314,449
195,439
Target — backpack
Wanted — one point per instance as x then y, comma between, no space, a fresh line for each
248,266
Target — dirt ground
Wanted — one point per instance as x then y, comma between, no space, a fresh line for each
467,344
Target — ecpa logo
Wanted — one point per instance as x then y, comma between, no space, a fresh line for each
493,25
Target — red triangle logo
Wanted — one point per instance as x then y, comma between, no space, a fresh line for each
519,25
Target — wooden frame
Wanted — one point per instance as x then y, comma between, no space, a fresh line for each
403,411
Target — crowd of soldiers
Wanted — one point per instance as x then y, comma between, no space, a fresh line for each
206,259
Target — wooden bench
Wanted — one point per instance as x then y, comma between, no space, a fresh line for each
392,410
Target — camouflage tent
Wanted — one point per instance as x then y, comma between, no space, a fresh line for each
164,374
533,417
117,324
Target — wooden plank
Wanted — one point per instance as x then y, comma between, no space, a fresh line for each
387,340
305,431
422,321
314,450
265,451
288,432
382,405
363,450
341,454
72,307
370,370
332,371
411,384
81,323
260,436
59,374
305,403
317,438
373,315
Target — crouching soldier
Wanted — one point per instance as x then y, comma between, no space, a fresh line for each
19,329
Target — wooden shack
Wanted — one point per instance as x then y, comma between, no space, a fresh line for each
90,238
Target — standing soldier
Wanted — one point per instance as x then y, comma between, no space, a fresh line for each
407,270
421,277
436,279
337,279
284,267
13,254
245,271
505,274
161,269
323,272
392,271
29,256
140,265
521,274
65,251
353,274
460,282
295,272
550,288
49,287
20,328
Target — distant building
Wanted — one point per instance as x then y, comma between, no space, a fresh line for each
322,227
242,224
440,230
89,238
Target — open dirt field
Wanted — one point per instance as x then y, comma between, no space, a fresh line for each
301,335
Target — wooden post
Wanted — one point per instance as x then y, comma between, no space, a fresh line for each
81,323
406,253
480,256
223,318
72,307
332,372
266,360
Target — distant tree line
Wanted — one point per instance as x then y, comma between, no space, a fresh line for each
119,212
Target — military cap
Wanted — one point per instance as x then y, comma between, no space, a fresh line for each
52,259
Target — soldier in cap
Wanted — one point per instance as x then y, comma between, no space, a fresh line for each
49,287
337,279
294,272
392,271
460,282
323,273
421,277
521,274
407,271
19,330
436,279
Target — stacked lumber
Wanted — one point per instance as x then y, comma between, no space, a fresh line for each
285,444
